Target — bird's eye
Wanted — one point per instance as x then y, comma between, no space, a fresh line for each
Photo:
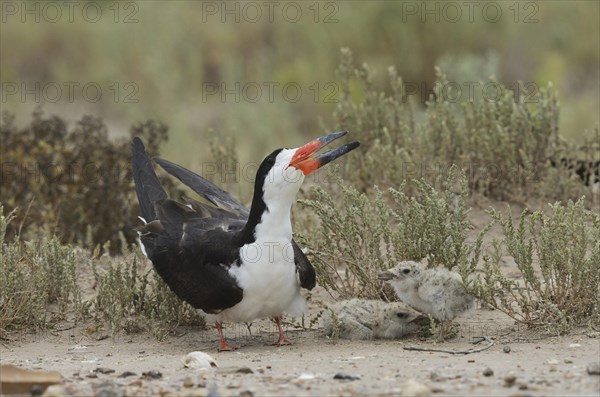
405,271
402,315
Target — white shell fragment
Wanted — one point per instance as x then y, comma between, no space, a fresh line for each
199,360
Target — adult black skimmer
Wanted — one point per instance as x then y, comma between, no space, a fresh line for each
234,264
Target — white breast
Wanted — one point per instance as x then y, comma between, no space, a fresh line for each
268,277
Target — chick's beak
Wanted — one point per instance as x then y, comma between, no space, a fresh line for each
384,276
304,160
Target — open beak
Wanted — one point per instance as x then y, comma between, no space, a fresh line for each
304,160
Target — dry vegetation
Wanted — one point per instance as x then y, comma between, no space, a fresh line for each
404,195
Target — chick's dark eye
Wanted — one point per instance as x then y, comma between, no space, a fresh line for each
405,271
402,315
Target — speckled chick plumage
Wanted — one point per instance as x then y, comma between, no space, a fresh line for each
437,291
371,319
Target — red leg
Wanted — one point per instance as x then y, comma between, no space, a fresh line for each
223,346
282,339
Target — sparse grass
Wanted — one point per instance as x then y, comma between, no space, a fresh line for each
38,281
557,254
132,298
358,236
40,288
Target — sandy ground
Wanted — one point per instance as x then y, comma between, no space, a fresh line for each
541,365
536,365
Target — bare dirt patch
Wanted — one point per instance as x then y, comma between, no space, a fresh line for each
535,365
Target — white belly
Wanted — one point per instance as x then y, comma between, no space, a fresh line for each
268,278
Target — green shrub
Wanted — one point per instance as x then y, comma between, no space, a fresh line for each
558,258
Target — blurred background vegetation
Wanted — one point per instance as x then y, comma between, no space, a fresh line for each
175,53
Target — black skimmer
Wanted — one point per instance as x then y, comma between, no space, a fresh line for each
234,264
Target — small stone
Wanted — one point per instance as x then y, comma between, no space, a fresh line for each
36,390
552,361
523,386
506,349
103,370
199,360
415,389
488,372
54,391
152,374
246,393
108,390
510,379
345,376
244,370
187,382
568,361
574,345
92,375
126,374
137,382
593,368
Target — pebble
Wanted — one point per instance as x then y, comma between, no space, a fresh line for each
506,349
126,374
199,359
345,376
246,393
54,391
187,382
552,361
152,374
568,361
103,370
412,388
523,386
488,372
244,370
510,379
593,368
107,389
137,382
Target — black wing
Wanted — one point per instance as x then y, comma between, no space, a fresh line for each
190,249
204,188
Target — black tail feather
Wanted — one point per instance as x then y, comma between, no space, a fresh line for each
147,185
